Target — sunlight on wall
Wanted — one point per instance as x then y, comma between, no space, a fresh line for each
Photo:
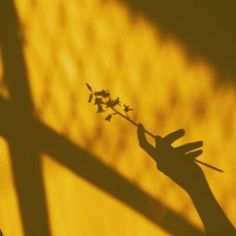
101,42
9,212
88,210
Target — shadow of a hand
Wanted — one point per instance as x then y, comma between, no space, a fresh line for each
175,162
178,164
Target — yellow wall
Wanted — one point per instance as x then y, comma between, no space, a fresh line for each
69,43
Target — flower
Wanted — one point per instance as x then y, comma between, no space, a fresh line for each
127,108
108,117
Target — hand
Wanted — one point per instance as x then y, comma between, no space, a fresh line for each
175,162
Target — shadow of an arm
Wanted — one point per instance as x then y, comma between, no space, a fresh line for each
178,164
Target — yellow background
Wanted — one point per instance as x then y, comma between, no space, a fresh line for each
169,83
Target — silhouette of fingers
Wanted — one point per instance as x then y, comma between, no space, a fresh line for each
194,154
141,137
144,144
189,146
170,138
158,140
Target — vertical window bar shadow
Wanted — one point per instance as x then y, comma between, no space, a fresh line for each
25,158
85,165
27,142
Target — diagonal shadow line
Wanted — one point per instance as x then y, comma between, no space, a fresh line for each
205,29
91,169
26,168
25,161
94,171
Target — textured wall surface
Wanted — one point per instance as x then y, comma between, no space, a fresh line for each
109,45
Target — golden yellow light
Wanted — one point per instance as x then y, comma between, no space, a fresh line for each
100,42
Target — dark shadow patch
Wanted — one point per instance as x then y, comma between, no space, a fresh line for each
206,29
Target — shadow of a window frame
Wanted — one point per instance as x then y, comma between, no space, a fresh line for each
28,138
